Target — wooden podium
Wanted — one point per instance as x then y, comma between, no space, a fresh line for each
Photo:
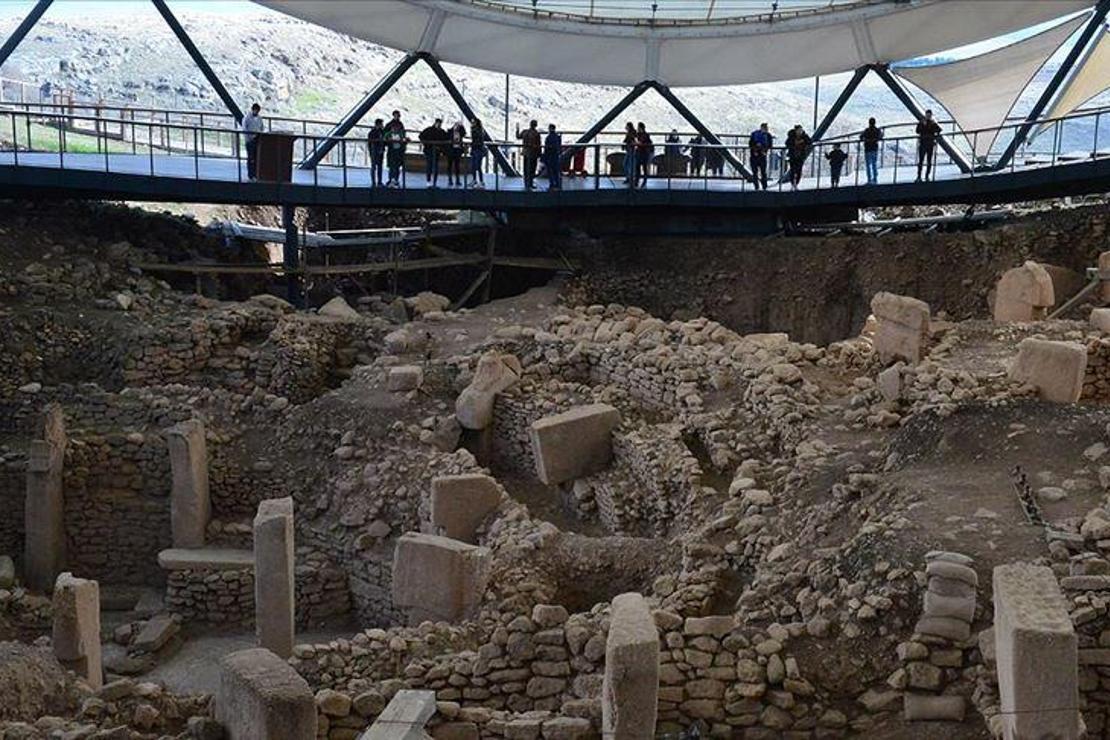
275,156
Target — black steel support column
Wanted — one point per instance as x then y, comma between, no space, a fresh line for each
708,135
358,112
23,29
291,255
907,100
845,95
1054,84
608,118
466,110
198,59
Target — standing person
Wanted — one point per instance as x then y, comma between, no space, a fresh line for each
630,154
433,138
455,149
836,158
552,158
375,148
871,137
644,151
697,155
477,153
672,154
797,151
396,142
532,144
759,147
253,125
927,132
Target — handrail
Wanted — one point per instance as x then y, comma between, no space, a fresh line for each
77,134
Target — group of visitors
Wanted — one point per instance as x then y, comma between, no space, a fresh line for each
389,142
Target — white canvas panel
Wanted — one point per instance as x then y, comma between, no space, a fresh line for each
980,91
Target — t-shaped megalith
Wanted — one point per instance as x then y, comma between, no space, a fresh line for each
438,578
76,634
460,503
1036,650
44,508
575,443
630,687
261,697
189,502
274,585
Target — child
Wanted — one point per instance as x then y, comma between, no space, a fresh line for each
836,158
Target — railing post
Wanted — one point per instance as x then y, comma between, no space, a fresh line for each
597,166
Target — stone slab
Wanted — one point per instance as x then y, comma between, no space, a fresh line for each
1055,369
956,607
575,443
261,697
404,378
951,629
630,687
955,571
438,578
404,717
918,707
495,373
1023,294
155,633
44,549
460,503
1036,653
903,327
206,558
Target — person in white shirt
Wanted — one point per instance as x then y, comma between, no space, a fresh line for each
252,127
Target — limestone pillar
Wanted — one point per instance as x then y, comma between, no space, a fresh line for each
460,503
44,509
1037,654
189,503
438,578
76,635
274,587
261,697
575,443
404,717
630,687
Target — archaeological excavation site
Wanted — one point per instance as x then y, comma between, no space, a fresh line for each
831,485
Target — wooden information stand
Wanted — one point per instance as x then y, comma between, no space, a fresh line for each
275,156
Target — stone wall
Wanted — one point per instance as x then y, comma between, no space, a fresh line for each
226,597
13,484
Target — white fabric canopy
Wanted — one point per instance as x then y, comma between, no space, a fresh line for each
751,50
980,91
1090,77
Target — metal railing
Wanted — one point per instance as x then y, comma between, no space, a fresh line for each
42,135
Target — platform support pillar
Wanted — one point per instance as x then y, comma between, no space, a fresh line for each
291,256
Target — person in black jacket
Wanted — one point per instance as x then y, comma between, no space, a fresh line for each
455,148
927,132
645,150
375,147
759,147
837,157
552,158
797,150
433,138
871,137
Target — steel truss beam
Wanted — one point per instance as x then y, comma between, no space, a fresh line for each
23,29
845,95
903,95
384,85
1054,84
675,103
198,59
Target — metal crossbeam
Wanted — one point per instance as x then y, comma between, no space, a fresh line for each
466,110
607,119
324,147
913,107
357,113
23,29
700,127
1054,84
198,59
845,95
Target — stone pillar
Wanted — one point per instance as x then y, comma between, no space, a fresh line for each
903,327
261,697
1037,654
76,635
438,578
189,503
630,688
44,510
273,575
460,503
575,443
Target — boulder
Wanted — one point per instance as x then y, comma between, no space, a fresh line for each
338,308
1024,294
